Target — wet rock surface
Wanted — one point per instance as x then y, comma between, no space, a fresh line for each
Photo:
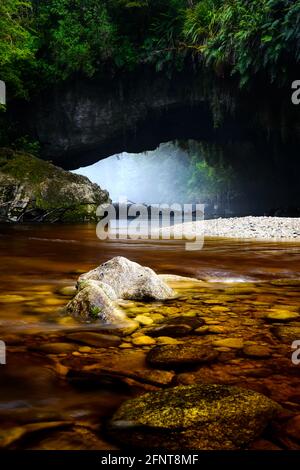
92,303
202,417
180,355
118,278
129,280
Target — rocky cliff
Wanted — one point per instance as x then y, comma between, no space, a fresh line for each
32,190
82,121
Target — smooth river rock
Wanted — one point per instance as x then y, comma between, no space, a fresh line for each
97,340
175,327
180,355
287,333
208,417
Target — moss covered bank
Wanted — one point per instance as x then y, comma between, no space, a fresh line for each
32,190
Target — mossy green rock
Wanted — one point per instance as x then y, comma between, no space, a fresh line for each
208,417
35,190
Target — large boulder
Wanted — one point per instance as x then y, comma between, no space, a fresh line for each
34,190
130,280
208,417
119,278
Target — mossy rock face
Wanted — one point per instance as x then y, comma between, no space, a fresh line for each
35,190
208,417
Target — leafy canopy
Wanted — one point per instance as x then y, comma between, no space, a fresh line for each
42,41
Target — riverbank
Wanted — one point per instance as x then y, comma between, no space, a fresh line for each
257,228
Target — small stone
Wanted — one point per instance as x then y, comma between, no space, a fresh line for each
85,349
143,341
125,346
189,314
157,317
156,377
219,309
144,320
282,315
234,343
166,340
255,350
186,378
203,330
223,350
287,334
67,291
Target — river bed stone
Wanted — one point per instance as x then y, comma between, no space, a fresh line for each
179,355
195,417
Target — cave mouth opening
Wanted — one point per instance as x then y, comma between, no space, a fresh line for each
228,179
176,172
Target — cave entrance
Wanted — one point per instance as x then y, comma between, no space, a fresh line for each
176,172
231,179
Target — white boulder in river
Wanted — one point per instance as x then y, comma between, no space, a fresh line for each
118,278
130,280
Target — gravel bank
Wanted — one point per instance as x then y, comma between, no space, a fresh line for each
260,228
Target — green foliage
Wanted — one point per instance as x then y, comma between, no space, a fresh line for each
74,36
52,40
25,144
210,181
16,41
247,37
94,312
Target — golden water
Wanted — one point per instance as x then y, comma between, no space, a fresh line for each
41,408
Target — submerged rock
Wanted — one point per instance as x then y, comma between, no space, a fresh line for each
129,280
282,315
181,354
256,350
94,339
143,340
208,417
176,327
232,343
34,190
288,334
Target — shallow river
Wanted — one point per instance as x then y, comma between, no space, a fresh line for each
58,393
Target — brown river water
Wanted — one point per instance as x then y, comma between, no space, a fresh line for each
58,393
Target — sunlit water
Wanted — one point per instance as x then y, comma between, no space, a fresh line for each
41,407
